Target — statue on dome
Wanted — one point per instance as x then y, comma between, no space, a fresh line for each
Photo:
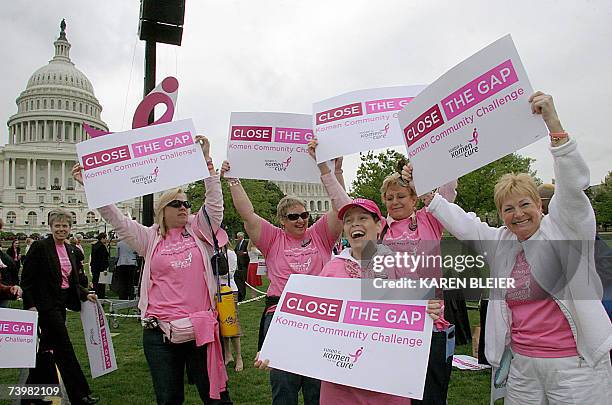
63,28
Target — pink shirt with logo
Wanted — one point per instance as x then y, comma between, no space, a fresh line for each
286,255
178,287
539,328
424,239
65,264
337,394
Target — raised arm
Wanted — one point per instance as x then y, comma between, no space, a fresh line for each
462,225
569,206
136,235
333,186
243,205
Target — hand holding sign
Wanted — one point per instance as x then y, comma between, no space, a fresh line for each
543,104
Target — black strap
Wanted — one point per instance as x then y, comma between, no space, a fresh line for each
216,250
383,233
212,232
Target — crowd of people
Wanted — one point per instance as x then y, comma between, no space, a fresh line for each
548,337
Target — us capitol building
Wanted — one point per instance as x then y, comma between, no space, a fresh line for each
38,158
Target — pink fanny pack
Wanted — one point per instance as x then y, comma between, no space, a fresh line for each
179,330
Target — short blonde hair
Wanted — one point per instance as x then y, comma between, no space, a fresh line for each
511,183
164,199
59,214
285,203
394,180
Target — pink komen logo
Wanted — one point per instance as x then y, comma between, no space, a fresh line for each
357,354
386,129
286,162
474,137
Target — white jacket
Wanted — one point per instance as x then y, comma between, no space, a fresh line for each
570,218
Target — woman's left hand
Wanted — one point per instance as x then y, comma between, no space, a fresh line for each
92,297
543,104
434,309
205,145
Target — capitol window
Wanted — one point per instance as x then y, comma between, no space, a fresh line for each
32,218
74,217
91,217
11,217
20,199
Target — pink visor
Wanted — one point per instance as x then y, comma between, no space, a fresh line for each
367,205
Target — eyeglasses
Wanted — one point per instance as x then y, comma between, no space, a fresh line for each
295,217
178,203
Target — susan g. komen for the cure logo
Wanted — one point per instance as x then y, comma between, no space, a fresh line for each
279,166
375,133
467,149
146,178
342,360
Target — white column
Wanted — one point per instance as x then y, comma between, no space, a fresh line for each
34,179
48,174
13,172
28,171
63,131
63,183
5,173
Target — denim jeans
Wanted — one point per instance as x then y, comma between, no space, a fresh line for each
286,385
167,362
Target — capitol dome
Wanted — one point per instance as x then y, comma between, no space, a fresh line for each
60,72
57,100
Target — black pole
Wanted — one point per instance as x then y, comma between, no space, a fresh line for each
149,84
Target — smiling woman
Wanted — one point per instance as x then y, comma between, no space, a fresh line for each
50,285
559,338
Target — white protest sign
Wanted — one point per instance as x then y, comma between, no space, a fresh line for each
271,146
97,339
335,336
475,113
18,334
360,121
124,165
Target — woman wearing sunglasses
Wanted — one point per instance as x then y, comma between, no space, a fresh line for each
178,284
294,248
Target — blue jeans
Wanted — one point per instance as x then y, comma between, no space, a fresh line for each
286,386
167,362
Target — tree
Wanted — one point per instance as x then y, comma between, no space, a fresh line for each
264,195
371,172
602,202
475,190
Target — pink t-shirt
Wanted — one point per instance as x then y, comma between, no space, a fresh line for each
539,328
178,287
286,255
65,264
337,394
425,239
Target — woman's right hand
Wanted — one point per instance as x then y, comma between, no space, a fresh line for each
407,172
262,365
77,173
225,167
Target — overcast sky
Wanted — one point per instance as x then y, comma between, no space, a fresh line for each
284,55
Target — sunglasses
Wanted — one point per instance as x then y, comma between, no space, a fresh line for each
295,217
178,203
